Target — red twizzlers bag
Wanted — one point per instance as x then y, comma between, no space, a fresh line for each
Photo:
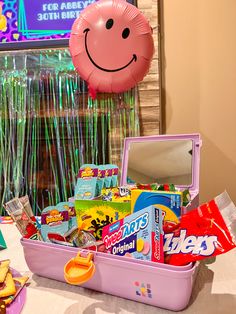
206,231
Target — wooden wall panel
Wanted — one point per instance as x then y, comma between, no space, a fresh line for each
149,89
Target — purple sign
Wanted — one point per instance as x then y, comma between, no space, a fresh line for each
56,15
37,23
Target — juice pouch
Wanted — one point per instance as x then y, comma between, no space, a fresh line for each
54,220
85,188
72,214
206,231
100,180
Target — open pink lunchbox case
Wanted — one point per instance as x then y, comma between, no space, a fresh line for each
168,159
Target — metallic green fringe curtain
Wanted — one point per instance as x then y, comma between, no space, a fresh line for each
49,126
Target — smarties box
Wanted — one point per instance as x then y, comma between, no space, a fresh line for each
138,235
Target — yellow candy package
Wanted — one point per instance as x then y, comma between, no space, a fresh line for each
92,216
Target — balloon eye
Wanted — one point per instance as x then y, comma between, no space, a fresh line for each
125,33
109,23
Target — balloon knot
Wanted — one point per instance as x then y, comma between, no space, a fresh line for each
92,92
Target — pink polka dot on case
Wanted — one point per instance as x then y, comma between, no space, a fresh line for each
146,248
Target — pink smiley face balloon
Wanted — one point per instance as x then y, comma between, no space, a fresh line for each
111,45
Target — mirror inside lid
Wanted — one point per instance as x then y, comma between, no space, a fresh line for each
162,159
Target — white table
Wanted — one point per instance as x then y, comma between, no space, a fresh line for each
214,291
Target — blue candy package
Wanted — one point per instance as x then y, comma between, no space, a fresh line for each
85,188
72,214
54,220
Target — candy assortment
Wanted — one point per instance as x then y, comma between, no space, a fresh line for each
143,221
154,229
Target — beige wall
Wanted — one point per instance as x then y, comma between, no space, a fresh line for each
200,83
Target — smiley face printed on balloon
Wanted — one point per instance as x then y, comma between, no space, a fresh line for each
111,45
125,34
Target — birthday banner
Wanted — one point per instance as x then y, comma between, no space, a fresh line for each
24,21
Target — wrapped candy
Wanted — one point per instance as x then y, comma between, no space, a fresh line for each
206,231
21,213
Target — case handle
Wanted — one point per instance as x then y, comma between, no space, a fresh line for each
79,269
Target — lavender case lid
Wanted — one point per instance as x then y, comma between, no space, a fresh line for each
196,145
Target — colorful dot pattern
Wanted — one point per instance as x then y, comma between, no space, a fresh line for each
143,290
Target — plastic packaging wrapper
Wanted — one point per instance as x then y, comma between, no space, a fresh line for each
206,231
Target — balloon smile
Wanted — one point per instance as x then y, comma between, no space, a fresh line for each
96,65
